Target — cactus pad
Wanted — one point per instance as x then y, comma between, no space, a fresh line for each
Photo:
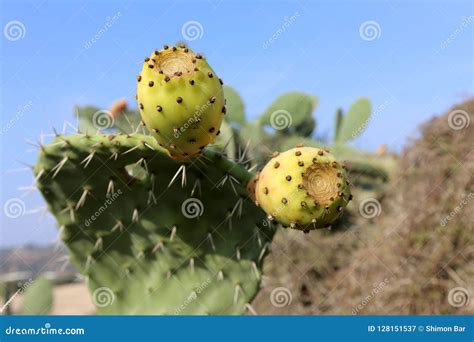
304,188
153,235
181,100
38,297
354,122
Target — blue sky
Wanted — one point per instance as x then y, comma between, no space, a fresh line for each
418,65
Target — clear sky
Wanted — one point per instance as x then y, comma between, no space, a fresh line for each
413,60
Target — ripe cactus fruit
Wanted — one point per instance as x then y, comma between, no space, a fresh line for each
304,188
181,100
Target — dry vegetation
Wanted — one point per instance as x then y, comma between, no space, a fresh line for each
405,262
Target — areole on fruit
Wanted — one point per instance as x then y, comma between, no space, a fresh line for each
172,63
303,188
320,181
181,101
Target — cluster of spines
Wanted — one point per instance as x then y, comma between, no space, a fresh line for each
72,207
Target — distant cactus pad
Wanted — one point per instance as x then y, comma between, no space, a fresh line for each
303,188
181,100
150,234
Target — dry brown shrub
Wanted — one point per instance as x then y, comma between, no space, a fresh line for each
410,259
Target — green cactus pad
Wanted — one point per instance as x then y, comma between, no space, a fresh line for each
181,100
176,238
304,188
235,106
290,110
339,116
355,121
37,297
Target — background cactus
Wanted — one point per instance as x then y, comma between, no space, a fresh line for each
291,113
37,294
235,106
37,297
349,126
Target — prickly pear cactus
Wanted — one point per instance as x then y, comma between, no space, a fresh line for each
235,106
38,297
352,124
304,188
153,235
181,100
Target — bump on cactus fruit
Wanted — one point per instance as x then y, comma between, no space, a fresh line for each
181,100
304,188
180,238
